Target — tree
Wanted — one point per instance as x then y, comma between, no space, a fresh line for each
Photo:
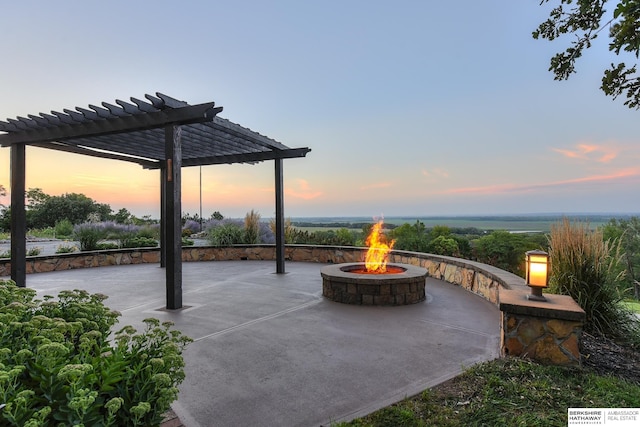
410,237
504,250
585,21
443,245
5,212
36,197
3,192
72,206
122,216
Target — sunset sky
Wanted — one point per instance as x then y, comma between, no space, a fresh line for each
410,107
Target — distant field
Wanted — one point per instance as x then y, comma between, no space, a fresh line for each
530,223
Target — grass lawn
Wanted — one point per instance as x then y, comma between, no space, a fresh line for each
633,305
506,392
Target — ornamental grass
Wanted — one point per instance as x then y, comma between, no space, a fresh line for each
584,266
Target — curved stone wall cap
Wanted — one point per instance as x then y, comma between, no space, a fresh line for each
342,270
555,307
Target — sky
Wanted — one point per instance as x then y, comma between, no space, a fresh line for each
410,108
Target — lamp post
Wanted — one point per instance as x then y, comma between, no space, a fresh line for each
537,273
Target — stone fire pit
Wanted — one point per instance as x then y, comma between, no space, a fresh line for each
348,283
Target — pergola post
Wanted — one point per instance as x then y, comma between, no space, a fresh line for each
279,218
172,216
163,239
18,216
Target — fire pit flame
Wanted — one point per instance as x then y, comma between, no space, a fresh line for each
378,253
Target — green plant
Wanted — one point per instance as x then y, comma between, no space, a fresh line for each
58,366
139,242
34,251
102,246
443,245
65,249
252,227
585,267
89,234
63,229
504,250
43,233
186,241
290,232
149,232
225,235
410,237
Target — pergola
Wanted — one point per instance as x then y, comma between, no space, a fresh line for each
157,133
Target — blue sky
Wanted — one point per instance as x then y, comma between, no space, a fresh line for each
409,107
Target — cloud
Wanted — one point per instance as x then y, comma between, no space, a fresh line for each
303,191
599,153
435,173
525,188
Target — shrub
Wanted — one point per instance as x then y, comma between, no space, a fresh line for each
444,245
121,232
290,232
190,227
252,227
266,234
102,246
225,234
584,266
89,234
139,242
66,249
150,231
34,251
63,229
58,367
187,242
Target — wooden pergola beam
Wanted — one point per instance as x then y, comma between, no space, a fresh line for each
184,115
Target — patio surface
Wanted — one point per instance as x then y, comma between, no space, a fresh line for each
269,350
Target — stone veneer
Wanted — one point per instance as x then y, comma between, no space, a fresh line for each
547,332
343,283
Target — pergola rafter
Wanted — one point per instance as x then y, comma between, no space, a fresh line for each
159,133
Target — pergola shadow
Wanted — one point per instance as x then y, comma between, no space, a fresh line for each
160,133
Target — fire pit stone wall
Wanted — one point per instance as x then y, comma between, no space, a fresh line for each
341,284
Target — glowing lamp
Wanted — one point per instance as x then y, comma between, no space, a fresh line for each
537,273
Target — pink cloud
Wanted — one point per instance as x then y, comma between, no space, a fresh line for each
524,188
303,191
599,153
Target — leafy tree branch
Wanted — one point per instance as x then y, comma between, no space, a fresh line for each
584,19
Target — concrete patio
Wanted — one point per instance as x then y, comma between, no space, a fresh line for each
269,350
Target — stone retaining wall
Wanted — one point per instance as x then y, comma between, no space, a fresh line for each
548,332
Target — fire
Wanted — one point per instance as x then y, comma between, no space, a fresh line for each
376,259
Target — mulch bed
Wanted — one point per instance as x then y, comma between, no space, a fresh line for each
606,357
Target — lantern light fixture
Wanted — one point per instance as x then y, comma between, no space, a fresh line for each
537,264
